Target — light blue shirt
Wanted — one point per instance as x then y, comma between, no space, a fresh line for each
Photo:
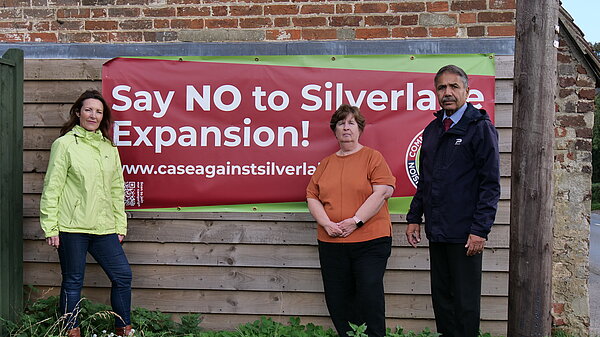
456,116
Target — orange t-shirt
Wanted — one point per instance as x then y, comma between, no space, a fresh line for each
343,183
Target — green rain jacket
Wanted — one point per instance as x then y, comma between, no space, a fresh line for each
83,188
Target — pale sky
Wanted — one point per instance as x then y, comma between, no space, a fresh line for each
586,15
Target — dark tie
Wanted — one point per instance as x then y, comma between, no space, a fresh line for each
447,122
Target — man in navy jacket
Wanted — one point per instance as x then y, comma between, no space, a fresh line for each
458,192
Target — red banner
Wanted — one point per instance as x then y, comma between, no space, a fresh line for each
218,133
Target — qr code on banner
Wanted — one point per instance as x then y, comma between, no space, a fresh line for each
134,193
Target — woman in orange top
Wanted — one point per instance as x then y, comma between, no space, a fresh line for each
347,196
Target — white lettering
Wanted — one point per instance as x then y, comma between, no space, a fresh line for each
410,97
258,94
189,139
144,104
285,100
305,94
270,136
218,98
162,104
160,141
475,96
374,97
118,133
428,102
355,102
126,100
193,96
142,135
396,94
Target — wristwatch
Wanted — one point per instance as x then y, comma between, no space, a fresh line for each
359,222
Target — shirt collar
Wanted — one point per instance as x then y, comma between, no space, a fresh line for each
456,116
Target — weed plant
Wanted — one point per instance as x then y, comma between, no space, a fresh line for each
42,319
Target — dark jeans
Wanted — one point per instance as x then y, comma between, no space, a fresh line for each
107,251
455,289
353,281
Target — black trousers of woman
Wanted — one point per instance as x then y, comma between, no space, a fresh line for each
353,281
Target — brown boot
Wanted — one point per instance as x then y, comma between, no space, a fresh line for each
124,331
74,332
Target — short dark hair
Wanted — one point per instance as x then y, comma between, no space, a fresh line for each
106,122
342,112
454,70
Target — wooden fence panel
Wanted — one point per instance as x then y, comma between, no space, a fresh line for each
248,278
222,320
234,267
403,258
11,165
276,303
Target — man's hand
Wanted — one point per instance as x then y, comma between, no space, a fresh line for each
413,234
474,245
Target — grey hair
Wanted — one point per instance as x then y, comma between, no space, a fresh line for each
454,70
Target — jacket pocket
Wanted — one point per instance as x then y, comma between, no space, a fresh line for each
72,218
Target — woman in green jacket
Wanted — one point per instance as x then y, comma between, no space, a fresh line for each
82,209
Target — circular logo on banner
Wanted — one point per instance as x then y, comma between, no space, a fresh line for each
412,158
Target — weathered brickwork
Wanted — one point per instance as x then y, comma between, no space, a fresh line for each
132,21
572,185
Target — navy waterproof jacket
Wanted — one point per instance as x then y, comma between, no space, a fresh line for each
459,178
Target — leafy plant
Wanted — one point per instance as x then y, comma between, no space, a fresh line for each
358,331
266,327
190,324
41,319
151,321
561,333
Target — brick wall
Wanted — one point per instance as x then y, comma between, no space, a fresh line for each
572,187
115,21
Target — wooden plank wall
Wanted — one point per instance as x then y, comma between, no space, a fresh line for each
11,157
233,268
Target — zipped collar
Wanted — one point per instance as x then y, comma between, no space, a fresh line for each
79,132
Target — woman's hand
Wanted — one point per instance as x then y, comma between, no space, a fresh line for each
318,212
53,241
347,226
121,237
333,230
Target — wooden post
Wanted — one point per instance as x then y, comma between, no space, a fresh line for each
11,184
532,199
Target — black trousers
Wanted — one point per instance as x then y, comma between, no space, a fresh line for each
353,281
455,289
